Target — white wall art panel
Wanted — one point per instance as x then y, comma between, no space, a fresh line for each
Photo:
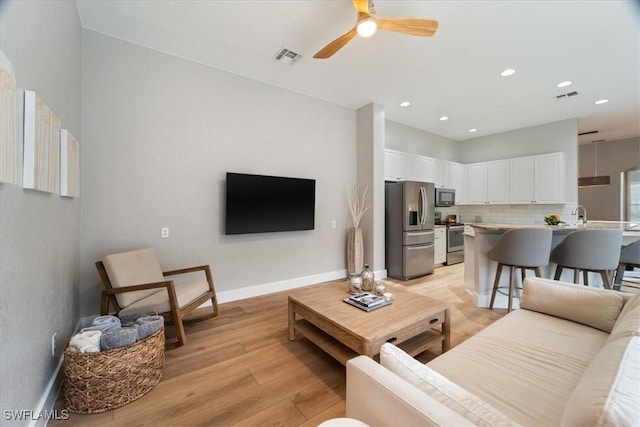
69,165
41,145
7,120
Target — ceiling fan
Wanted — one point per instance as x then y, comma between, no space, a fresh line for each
367,24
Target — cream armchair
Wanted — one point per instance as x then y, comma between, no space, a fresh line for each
134,283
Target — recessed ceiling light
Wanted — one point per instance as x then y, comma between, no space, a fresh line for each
564,83
507,72
405,103
601,101
443,118
473,130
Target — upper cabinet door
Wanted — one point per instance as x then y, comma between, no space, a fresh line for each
498,181
550,182
477,183
521,185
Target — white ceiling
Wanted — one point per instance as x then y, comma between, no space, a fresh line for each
596,44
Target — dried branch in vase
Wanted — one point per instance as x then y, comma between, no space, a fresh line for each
357,205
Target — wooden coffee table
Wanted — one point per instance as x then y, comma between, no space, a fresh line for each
344,331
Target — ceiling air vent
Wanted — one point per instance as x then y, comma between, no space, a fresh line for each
566,95
286,56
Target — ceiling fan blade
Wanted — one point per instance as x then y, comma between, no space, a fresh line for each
362,6
415,27
335,45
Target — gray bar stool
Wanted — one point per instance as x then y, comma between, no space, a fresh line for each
629,257
523,248
588,250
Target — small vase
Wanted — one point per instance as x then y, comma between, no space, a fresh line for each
354,251
367,279
379,287
354,284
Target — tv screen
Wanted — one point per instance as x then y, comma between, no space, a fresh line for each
262,204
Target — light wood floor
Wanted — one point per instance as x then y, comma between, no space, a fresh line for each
239,369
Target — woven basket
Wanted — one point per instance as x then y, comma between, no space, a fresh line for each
98,382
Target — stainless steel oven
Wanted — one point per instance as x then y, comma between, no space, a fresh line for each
455,243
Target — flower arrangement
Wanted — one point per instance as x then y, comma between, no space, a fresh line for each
553,219
357,205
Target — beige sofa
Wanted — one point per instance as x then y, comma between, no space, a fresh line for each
569,356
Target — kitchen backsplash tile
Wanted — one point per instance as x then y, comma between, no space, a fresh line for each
510,214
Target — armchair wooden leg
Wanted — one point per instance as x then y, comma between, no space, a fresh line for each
181,335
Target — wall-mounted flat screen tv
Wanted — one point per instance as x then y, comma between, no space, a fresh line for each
263,204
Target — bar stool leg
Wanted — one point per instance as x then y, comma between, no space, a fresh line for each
558,272
512,278
496,281
536,270
585,275
606,280
576,276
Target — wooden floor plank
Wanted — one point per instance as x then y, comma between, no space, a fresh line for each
240,369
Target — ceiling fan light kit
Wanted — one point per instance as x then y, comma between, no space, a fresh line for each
367,27
367,23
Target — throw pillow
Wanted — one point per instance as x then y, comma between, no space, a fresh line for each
591,307
440,388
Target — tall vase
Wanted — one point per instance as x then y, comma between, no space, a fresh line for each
354,251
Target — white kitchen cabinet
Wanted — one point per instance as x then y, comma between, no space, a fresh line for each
442,179
458,173
400,166
477,183
550,181
440,245
498,181
537,179
487,182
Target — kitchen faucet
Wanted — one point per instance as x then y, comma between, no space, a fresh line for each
584,213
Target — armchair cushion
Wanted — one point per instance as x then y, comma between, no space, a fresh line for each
133,268
158,302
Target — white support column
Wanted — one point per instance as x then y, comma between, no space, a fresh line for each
370,122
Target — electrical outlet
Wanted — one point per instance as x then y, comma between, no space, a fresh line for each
164,232
333,224
53,344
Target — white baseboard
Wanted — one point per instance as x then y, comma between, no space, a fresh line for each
282,285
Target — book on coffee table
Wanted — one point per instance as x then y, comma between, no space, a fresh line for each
366,301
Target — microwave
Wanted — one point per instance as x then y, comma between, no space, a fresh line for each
445,197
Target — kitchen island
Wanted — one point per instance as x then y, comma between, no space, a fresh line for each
479,270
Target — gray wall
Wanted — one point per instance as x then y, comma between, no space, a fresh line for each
411,140
39,232
159,134
614,157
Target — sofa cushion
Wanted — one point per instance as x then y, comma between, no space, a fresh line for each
133,268
609,392
435,385
525,364
596,309
628,323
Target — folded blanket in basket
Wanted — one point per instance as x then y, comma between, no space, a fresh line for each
85,342
117,338
148,325
130,319
103,324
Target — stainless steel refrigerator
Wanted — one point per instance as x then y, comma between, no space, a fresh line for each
409,220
